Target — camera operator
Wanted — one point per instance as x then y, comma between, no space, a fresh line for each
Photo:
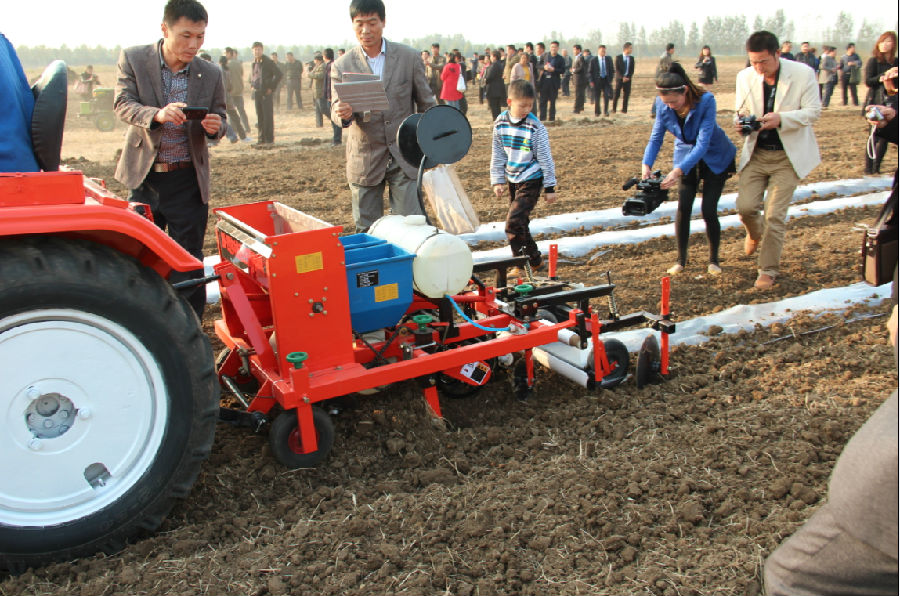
702,153
784,97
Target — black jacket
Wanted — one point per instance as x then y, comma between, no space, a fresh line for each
620,67
493,80
580,69
708,71
270,74
551,79
594,69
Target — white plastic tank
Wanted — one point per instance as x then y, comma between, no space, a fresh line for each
443,263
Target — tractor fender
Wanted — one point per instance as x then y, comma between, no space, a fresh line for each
105,223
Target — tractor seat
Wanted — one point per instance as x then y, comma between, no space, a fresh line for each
49,117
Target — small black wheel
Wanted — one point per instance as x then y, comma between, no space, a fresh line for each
105,121
617,355
287,446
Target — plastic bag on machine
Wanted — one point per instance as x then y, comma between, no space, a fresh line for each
449,200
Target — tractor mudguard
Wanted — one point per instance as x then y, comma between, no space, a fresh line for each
71,205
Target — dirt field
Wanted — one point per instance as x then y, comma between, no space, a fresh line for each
678,488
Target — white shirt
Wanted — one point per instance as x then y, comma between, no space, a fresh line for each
376,63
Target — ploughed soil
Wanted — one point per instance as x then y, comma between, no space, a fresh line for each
682,487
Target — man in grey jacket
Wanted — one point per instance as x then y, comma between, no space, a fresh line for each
165,159
373,157
236,89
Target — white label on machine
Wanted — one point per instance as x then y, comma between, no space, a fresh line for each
475,371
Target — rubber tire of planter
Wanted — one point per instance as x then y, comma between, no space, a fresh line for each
49,284
284,439
618,353
105,121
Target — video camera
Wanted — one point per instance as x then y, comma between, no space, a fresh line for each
648,197
748,124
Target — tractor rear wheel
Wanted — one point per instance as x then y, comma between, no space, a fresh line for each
108,402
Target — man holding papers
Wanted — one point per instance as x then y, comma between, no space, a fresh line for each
373,157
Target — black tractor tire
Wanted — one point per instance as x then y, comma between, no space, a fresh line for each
91,335
284,439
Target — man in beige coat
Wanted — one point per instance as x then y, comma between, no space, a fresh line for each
165,160
373,157
784,97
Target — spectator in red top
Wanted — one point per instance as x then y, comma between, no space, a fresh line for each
450,77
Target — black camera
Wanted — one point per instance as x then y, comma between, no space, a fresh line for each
648,197
748,124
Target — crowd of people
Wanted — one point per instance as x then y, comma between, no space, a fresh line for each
775,157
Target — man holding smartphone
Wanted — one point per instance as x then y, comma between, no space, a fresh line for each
173,102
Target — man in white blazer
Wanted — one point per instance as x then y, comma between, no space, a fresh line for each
373,157
784,97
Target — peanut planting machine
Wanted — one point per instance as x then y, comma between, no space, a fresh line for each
309,315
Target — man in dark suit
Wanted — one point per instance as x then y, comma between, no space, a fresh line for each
165,159
567,73
373,156
624,74
551,70
264,78
601,75
580,73
494,88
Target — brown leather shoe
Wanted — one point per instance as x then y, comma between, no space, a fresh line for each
750,245
764,282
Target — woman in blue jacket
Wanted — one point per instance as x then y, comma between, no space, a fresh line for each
703,153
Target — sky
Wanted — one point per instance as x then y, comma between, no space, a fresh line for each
300,22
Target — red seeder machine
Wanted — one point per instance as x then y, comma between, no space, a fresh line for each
310,315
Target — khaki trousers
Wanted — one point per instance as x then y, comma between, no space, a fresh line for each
368,201
765,220
821,559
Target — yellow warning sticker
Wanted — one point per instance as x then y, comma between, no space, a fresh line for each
310,262
386,292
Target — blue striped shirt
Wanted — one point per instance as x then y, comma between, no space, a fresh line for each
521,151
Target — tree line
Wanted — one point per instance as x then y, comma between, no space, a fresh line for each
725,35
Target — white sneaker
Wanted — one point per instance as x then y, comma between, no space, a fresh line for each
247,140
675,269
713,269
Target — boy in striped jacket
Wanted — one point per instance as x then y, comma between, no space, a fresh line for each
521,161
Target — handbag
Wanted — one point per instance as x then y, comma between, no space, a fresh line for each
879,247
461,83
854,77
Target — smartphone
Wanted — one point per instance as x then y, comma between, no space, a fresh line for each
195,112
